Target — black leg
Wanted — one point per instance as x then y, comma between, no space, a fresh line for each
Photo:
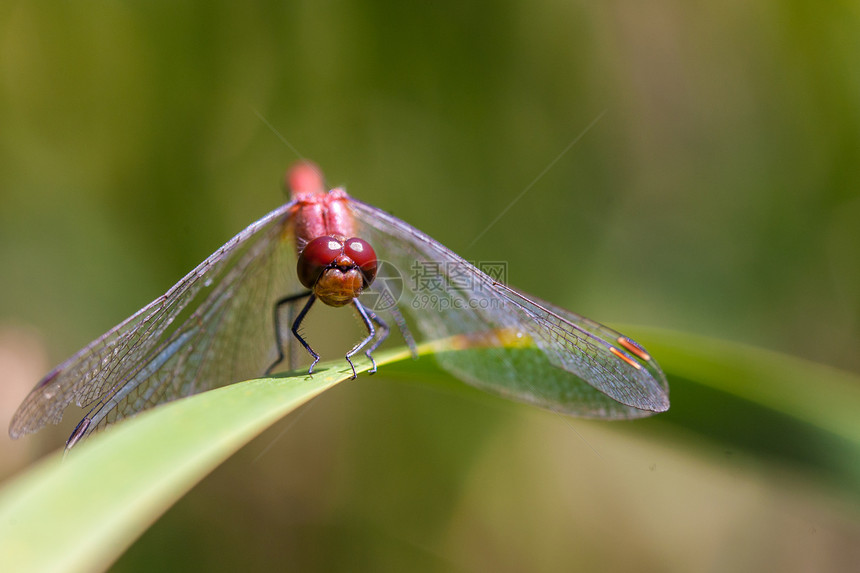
383,334
277,316
371,332
295,331
387,299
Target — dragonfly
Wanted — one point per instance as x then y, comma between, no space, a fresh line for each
228,319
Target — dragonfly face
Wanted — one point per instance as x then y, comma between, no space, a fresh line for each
337,270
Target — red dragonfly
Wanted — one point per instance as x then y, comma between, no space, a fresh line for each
224,321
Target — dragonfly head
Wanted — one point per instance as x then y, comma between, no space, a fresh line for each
337,270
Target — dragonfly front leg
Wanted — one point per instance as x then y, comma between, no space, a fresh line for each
295,329
383,334
369,317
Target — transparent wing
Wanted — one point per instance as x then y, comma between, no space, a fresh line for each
512,344
213,327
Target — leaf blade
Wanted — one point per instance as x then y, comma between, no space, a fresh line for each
71,517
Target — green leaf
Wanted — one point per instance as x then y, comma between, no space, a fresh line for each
81,513
823,397
781,408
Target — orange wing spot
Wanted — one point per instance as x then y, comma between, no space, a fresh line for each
634,348
625,358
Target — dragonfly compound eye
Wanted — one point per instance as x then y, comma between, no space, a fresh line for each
363,255
318,255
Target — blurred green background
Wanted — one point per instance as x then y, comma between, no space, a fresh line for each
718,194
